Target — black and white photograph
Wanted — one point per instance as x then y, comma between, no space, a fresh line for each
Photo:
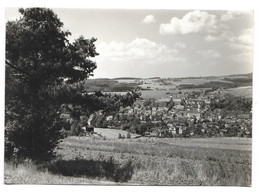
128,97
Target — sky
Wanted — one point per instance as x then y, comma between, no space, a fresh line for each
160,42
232,40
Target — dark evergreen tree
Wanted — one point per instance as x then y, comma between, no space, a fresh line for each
40,64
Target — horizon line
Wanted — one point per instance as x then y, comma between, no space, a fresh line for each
157,77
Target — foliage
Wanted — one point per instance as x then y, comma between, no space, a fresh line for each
128,136
109,104
108,168
232,103
40,64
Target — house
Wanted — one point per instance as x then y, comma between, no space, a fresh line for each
147,112
137,110
162,109
207,101
170,126
179,107
153,134
194,114
179,130
154,109
244,116
156,122
89,128
177,100
174,131
180,114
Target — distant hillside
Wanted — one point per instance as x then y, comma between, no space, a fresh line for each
154,78
109,85
234,75
126,78
124,84
100,79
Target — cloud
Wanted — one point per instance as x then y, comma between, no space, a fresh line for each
180,45
192,22
209,54
242,39
139,50
138,58
246,37
210,38
236,48
149,19
231,15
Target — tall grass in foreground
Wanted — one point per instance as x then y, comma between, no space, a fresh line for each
87,161
26,173
68,172
86,145
178,171
166,164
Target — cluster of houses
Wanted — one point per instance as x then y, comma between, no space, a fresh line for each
188,114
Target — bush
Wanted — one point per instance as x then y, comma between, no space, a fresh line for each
28,138
76,129
108,168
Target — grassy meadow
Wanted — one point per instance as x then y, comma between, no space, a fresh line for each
143,161
246,91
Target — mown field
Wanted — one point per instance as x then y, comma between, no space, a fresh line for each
245,91
113,133
145,161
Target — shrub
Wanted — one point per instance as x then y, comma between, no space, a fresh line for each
108,168
128,136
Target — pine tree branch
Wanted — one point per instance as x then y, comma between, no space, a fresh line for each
17,69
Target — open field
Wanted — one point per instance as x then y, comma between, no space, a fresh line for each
157,88
245,91
154,94
113,133
231,143
144,161
172,162
158,94
234,143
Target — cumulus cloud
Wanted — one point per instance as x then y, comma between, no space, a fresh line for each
242,39
149,19
231,15
140,49
242,46
246,37
192,22
138,58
